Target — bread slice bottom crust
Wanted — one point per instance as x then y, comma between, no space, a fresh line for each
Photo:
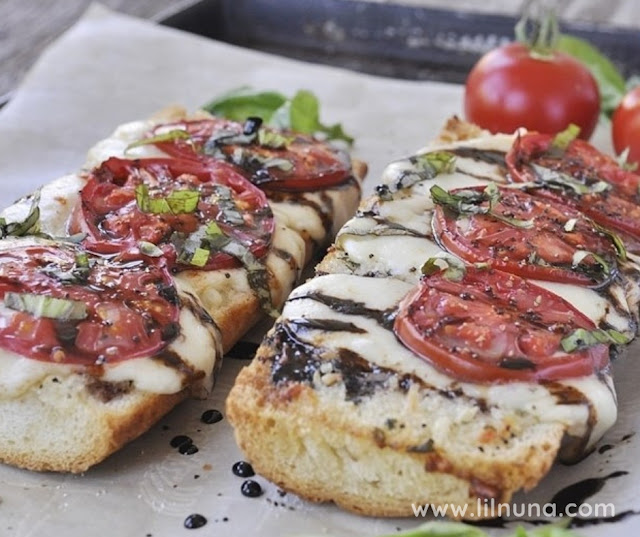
63,425
322,451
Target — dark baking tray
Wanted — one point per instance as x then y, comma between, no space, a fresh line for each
382,39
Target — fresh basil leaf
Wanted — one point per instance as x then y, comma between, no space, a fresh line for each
305,112
300,113
438,528
610,82
46,306
244,102
170,136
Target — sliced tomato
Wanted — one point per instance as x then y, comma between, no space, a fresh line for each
300,164
131,306
110,211
617,207
494,327
542,243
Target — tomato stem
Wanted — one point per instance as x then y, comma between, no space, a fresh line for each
538,28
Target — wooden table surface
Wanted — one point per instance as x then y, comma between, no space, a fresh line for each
28,26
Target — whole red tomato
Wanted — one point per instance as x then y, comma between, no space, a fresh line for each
512,87
626,125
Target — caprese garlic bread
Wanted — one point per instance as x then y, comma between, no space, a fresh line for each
143,268
456,339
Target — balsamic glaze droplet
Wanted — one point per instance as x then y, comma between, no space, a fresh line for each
211,416
579,492
179,440
243,469
194,521
251,489
188,449
251,125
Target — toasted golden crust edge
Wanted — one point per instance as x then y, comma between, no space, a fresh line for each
299,444
79,430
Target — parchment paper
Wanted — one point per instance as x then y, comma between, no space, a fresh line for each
110,69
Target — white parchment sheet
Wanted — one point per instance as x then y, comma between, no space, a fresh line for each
109,69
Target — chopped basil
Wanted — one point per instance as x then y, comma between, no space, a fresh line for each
200,257
451,267
213,228
197,248
170,136
149,249
624,163
470,202
581,255
581,338
223,198
272,139
29,226
82,260
621,250
427,166
46,306
564,138
78,273
559,180
245,158
177,202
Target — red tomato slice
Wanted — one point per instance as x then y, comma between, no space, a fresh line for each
132,306
545,250
110,212
493,327
617,207
304,163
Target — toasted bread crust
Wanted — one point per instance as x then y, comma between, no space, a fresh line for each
322,451
75,428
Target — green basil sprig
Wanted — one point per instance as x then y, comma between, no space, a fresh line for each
300,113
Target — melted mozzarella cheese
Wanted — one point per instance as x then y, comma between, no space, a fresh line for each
380,347
116,144
57,201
